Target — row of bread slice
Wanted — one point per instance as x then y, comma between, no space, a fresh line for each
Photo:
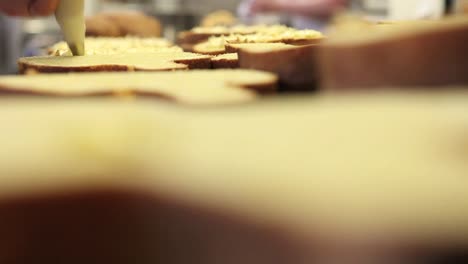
219,45
256,185
109,50
212,40
359,55
363,55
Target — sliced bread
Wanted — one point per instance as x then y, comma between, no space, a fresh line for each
417,53
149,61
190,87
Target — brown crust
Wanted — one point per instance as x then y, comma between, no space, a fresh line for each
25,68
225,63
425,59
295,66
195,64
189,38
232,48
111,225
302,42
262,88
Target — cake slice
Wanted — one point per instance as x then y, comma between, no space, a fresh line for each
104,46
190,87
411,53
281,182
148,61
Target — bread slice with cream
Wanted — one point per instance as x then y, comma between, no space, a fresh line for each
220,45
147,61
104,46
189,87
213,40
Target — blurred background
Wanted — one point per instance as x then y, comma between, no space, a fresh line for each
28,37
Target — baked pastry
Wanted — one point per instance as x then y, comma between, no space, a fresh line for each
190,87
148,61
295,65
417,53
121,24
273,183
104,46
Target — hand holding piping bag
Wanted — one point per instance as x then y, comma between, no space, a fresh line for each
28,8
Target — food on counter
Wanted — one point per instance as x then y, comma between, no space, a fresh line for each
122,24
148,61
225,61
104,46
201,34
295,65
217,45
273,183
190,87
410,53
219,18
244,34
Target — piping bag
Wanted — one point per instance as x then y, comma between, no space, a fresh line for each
70,17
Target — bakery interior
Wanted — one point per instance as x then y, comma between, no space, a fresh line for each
234,131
